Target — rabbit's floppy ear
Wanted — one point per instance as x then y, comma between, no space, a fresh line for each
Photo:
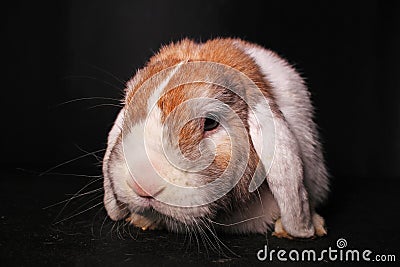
279,154
277,146
115,210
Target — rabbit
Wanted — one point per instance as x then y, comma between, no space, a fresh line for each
218,134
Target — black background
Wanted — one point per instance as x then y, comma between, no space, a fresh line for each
55,52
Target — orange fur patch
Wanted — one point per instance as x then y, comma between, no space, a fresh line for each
223,51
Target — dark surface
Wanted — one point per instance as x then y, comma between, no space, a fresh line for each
362,212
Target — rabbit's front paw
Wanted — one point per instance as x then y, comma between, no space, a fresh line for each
318,222
143,222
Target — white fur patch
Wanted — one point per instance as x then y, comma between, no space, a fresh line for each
113,134
143,147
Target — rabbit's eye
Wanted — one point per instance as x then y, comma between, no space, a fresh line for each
210,124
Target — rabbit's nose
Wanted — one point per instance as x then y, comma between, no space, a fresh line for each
148,190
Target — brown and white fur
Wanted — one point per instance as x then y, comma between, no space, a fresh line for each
295,183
